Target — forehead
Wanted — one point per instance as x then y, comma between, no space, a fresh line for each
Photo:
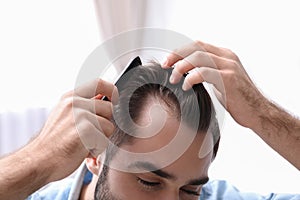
174,148
158,126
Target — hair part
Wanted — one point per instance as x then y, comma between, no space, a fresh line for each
152,81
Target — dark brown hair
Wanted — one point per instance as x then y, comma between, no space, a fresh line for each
152,81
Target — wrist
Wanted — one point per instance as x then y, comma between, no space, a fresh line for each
59,157
273,121
41,160
262,115
21,174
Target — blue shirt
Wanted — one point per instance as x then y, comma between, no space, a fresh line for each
70,188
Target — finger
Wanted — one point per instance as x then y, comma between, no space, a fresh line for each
218,51
187,50
192,79
99,107
196,59
221,97
95,87
206,74
106,126
179,54
102,124
93,139
103,108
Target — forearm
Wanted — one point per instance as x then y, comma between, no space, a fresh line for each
21,174
281,131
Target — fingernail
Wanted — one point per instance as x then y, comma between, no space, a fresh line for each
165,63
172,79
175,77
185,86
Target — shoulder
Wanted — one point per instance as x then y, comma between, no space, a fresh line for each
220,189
68,188
55,191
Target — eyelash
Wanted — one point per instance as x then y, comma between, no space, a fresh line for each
147,183
151,185
191,192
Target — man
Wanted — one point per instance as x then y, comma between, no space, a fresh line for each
147,101
186,122
43,161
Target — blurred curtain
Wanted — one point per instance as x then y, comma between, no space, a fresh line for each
115,16
16,128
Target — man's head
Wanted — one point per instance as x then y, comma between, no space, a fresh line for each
150,116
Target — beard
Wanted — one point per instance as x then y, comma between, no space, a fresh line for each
102,191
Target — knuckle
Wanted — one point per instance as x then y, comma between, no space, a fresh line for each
201,46
68,102
67,95
199,43
111,129
105,126
233,64
231,54
174,55
179,68
199,54
202,72
78,102
99,82
74,101
85,128
230,77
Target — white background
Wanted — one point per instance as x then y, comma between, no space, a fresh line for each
44,43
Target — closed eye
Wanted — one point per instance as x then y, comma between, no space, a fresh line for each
148,183
190,192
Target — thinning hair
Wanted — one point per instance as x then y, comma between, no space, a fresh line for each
151,81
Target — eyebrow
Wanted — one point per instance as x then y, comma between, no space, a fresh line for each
153,169
200,181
